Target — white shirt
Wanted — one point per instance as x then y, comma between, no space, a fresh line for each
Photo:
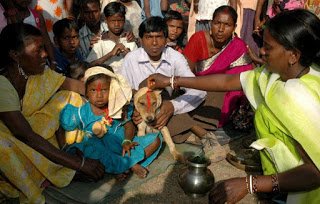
103,47
136,67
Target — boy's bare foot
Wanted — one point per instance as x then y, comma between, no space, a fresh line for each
139,171
123,176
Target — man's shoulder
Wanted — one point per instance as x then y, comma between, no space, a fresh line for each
135,54
172,55
83,31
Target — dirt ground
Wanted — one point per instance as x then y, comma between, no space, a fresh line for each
165,188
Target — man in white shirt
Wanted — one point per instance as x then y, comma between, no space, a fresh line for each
155,57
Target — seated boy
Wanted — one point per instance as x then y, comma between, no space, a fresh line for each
111,49
66,38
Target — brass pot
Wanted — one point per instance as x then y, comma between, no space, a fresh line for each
196,180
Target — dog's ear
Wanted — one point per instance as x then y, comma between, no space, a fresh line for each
157,92
158,96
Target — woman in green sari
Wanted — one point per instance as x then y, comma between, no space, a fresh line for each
285,93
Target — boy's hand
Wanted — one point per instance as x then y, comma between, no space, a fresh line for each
136,117
94,40
127,146
119,48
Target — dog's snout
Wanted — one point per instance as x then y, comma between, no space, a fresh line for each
150,119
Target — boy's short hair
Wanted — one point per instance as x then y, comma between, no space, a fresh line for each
153,24
61,25
173,15
85,2
114,8
78,69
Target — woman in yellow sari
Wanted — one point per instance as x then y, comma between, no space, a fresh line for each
29,117
285,94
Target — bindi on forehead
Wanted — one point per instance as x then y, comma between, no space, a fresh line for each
99,87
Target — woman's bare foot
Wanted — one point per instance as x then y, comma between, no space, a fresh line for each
139,171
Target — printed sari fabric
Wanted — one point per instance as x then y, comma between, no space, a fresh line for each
25,168
232,59
287,113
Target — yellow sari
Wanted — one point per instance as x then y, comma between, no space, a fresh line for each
25,168
286,113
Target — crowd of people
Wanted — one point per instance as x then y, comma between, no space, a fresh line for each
69,70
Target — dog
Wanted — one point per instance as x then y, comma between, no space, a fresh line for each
147,102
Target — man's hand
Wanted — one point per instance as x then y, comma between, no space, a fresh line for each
94,40
166,112
129,36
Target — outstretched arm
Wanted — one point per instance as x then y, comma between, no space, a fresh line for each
214,82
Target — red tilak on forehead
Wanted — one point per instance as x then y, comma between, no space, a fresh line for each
99,87
148,99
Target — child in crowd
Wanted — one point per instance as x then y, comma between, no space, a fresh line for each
94,25
175,30
78,69
24,13
108,133
133,16
66,38
111,49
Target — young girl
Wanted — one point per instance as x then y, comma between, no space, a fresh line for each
112,48
107,136
24,13
176,33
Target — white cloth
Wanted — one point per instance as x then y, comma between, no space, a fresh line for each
207,7
120,92
136,67
103,47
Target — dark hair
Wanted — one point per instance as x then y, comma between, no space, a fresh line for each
96,77
153,24
226,9
173,15
12,37
298,30
85,2
113,8
78,69
60,26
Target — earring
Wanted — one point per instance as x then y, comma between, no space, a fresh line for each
21,72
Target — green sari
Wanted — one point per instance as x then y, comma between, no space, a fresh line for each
286,113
